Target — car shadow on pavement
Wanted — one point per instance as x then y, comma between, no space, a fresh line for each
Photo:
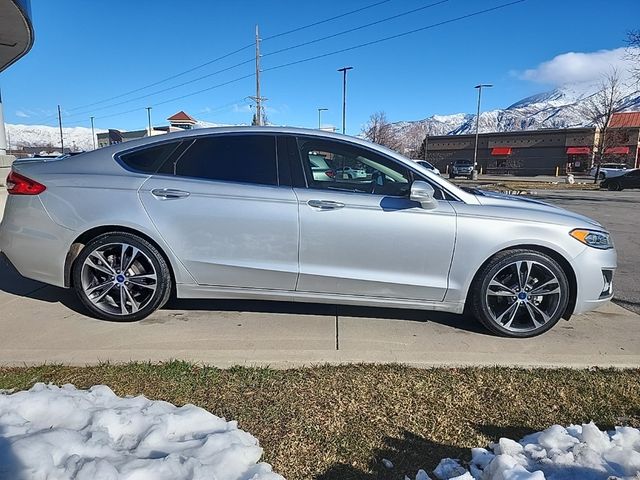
463,322
13,283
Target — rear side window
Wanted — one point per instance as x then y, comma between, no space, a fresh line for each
231,158
148,160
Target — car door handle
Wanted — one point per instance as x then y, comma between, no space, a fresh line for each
169,193
325,204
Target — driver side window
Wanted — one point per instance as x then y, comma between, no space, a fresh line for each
335,166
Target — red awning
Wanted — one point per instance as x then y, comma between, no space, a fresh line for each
501,151
578,150
617,150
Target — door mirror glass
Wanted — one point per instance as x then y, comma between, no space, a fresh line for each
423,193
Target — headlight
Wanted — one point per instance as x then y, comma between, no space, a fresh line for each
593,238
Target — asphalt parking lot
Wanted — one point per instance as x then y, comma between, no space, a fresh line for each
620,213
40,323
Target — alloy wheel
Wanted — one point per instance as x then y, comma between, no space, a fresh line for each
118,278
523,296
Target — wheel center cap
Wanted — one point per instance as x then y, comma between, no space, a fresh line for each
120,278
522,296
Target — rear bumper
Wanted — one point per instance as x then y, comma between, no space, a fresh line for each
32,242
592,267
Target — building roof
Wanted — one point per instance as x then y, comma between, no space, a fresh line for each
181,116
625,119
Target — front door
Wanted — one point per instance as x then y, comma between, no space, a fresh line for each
220,209
359,232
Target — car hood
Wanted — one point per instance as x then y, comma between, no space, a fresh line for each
530,209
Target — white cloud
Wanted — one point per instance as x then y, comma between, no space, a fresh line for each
579,67
21,114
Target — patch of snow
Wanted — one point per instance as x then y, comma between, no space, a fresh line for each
77,138
577,452
62,432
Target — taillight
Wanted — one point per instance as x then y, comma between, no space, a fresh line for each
20,185
330,173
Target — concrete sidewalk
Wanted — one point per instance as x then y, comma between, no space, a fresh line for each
44,324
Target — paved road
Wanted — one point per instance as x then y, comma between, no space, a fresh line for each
45,324
620,213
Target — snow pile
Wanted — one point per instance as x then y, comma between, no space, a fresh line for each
578,452
76,138
53,432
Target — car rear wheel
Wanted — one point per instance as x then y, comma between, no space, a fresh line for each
121,277
614,186
520,293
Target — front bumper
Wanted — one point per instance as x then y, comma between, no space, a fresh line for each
594,271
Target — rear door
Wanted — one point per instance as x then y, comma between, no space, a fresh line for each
219,205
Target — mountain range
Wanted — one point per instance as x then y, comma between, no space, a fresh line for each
558,108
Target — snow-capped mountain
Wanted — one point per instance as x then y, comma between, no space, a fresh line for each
559,108
76,138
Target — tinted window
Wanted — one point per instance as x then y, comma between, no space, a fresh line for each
231,158
149,159
335,166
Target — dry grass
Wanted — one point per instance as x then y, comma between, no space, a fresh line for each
339,422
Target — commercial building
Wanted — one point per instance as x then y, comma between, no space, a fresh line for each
177,122
541,152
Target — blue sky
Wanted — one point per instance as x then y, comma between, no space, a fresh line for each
88,51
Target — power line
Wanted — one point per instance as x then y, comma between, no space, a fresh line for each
344,32
335,52
392,37
222,57
251,60
351,30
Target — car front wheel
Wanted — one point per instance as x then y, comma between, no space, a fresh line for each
520,293
614,186
121,277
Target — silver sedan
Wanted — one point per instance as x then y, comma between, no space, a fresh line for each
238,213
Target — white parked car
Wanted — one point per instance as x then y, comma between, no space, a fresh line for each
428,166
350,172
609,170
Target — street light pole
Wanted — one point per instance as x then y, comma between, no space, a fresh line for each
320,110
475,148
149,118
344,96
93,133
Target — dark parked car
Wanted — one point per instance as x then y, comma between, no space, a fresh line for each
631,179
461,168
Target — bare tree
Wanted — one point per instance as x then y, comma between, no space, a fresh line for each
380,131
633,52
599,110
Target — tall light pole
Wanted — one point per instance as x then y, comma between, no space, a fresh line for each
320,110
93,133
344,71
149,118
475,148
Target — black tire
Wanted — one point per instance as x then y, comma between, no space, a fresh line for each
478,295
163,276
614,186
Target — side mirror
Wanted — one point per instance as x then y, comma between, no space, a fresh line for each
423,192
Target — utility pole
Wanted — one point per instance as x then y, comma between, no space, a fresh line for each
60,125
344,96
149,118
475,148
426,145
258,99
93,133
320,110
